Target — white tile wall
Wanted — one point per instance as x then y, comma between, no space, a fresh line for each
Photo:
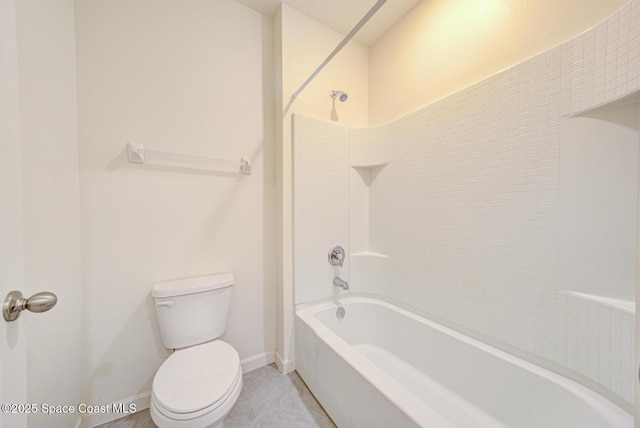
468,206
321,207
370,146
597,341
371,273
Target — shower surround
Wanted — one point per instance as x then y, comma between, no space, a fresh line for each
454,209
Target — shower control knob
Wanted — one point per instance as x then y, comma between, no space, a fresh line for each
15,303
336,256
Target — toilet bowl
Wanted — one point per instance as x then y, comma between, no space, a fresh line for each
199,383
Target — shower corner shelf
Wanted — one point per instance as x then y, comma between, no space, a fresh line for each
369,172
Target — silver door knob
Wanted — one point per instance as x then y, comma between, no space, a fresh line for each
15,302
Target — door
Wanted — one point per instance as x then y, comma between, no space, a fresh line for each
637,326
12,336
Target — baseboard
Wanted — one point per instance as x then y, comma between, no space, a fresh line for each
285,367
141,402
256,361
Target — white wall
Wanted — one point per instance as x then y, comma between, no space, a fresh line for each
51,225
191,77
442,46
305,43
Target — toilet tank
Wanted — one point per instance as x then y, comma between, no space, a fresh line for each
194,310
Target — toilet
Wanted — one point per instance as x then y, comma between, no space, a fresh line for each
199,383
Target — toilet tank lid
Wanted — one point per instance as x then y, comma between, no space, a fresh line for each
199,284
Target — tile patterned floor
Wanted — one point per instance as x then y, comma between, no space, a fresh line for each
268,400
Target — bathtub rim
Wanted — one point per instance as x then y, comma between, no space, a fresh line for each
413,406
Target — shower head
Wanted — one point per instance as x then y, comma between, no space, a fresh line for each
342,96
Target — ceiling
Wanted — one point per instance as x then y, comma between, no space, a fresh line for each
343,15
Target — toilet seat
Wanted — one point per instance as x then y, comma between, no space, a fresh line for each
197,380
205,418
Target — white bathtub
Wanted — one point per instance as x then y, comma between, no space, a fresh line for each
382,366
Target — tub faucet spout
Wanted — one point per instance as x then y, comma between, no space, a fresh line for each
339,282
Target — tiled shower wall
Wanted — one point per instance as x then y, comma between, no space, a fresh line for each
464,207
321,204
